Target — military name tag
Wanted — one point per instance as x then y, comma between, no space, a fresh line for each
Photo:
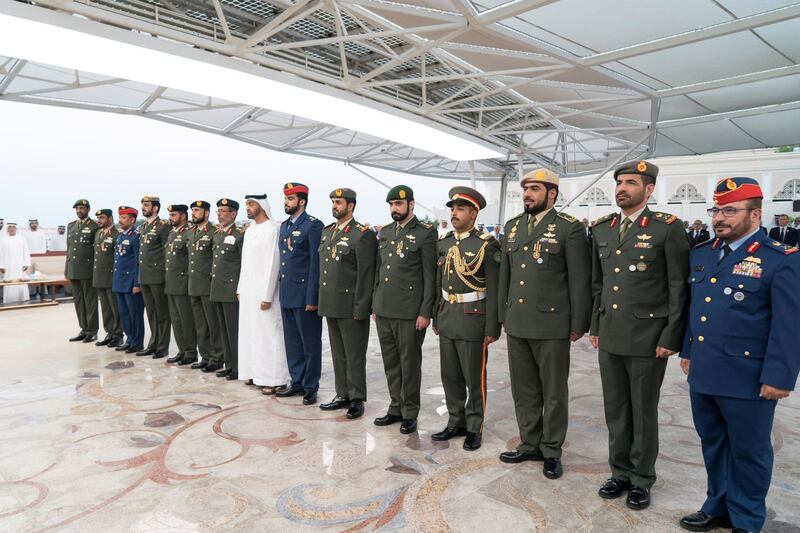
296,233
86,230
126,242
230,239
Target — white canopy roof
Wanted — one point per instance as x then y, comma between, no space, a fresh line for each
572,84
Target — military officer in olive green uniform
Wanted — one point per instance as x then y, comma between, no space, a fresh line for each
78,270
545,299
152,250
102,275
227,242
640,266
201,256
347,277
176,286
405,290
465,315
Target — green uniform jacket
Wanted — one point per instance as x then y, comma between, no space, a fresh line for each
545,287
201,256
639,286
104,242
176,265
346,271
405,273
226,264
152,251
469,321
80,249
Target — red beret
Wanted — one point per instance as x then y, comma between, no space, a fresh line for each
294,188
125,210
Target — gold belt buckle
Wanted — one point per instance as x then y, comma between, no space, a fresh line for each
452,298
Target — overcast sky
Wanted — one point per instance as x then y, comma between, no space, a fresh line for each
52,156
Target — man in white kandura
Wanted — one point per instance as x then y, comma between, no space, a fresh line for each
15,262
262,353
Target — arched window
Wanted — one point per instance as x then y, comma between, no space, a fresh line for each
687,194
790,191
595,196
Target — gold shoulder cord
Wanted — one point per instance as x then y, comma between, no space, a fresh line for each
464,269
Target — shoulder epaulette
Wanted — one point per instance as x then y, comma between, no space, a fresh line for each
604,219
362,227
779,247
486,236
241,230
446,235
666,218
426,225
567,217
709,241
312,219
162,222
510,220
330,225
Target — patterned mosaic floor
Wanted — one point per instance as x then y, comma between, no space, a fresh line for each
91,440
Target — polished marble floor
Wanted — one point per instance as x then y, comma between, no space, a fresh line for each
91,440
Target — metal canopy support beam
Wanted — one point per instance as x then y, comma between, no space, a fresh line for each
761,75
501,212
298,10
709,32
509,9
740,113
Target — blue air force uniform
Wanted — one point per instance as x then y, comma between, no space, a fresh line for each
126,277
741,334
299,287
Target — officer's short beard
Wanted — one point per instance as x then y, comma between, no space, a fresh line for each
198,220
537,207
292,209
397,217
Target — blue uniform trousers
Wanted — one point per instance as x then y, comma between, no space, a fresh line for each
302,334
735,435
131,314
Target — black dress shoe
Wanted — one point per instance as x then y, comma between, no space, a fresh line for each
613,488
638,498
337,403
89,338
448,433
223,373
133,349
114,343
387,420
310,398
78,337
516,456
160,355
701,521
288,392
552,468
199,365
104,342
122,347
356,409
148,351
473,441
173,359
232,376
187,361
409,425
211,367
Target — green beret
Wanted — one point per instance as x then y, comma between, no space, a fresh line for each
347,194
641,168
400,192
82,202
180,208
106,212
227,202
466,196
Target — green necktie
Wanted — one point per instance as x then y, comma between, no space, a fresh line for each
626,224
531,224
